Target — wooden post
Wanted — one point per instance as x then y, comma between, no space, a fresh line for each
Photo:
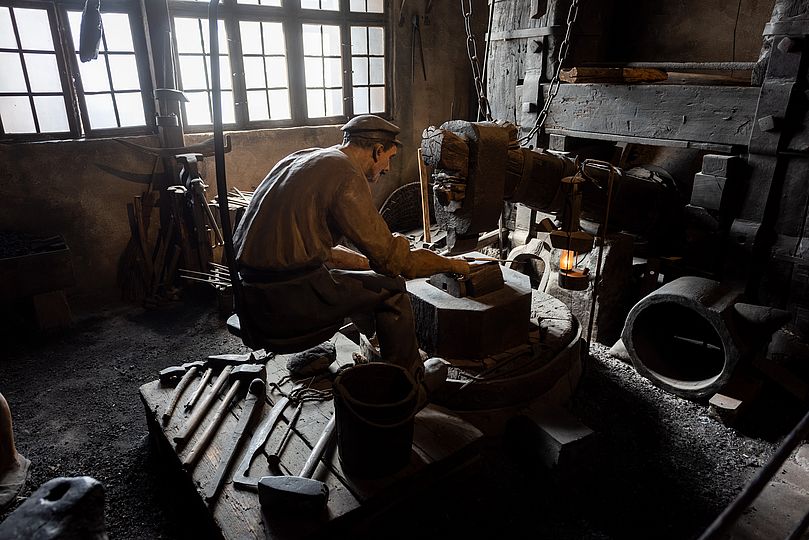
425,197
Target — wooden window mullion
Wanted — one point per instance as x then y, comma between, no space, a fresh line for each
293,34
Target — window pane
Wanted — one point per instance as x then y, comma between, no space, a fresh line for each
377,70
273,38
7,39
276,3
361,100
329,5
315,105
223,38
51,114
357,5
74,21
225,79
376,6
279,105
124,71
94,76
359,67
34,28
16,115
254,72
359,40
100,111
117,32
313,68
228,108
376,40
12,78
251,37
377,100
130,109
196,109
331,40
334,102
277,72
192,73
312,44
43,73
333,72
257,108
187,36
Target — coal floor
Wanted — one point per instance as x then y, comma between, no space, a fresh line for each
659,466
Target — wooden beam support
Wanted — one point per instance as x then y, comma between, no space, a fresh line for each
718,116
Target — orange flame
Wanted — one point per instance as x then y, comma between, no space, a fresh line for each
567,260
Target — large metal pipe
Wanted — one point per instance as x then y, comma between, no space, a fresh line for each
689,335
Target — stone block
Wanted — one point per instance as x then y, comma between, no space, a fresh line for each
452,327
724,166
550,435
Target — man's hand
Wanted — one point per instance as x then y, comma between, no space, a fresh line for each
424,263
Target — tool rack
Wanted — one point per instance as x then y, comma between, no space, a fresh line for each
443,445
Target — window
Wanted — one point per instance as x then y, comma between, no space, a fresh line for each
283,62
46,93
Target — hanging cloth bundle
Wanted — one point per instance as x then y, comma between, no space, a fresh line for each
90,34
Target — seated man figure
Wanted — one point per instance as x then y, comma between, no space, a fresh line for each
298,280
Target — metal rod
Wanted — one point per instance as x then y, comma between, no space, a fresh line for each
675,66
219,159
590,322
731,514
425,196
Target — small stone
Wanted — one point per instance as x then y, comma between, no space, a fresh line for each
312,361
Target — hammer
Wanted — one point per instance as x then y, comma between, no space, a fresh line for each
191,369
225,362
244,373
220,360
299,493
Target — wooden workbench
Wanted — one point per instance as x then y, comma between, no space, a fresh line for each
443,444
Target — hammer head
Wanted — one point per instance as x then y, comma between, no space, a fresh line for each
292,494
172,374
248,372
219,361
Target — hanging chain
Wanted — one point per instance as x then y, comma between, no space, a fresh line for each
564,48
472,53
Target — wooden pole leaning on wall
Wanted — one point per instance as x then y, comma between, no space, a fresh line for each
425,197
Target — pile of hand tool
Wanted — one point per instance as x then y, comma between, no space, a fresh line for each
245,376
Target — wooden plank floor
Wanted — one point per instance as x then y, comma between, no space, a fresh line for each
443,443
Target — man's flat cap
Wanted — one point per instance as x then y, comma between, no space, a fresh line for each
372,127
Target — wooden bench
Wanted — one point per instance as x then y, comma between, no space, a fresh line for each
443,445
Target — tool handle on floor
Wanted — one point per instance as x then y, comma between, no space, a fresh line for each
317,452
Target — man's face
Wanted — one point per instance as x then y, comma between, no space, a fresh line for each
381,161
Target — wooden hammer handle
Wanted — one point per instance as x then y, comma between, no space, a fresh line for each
317,452
209,432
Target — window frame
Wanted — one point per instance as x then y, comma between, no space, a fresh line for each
70,76
292,17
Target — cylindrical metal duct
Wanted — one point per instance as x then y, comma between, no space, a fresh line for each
688,336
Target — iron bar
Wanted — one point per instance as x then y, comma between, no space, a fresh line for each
675,66
731,514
